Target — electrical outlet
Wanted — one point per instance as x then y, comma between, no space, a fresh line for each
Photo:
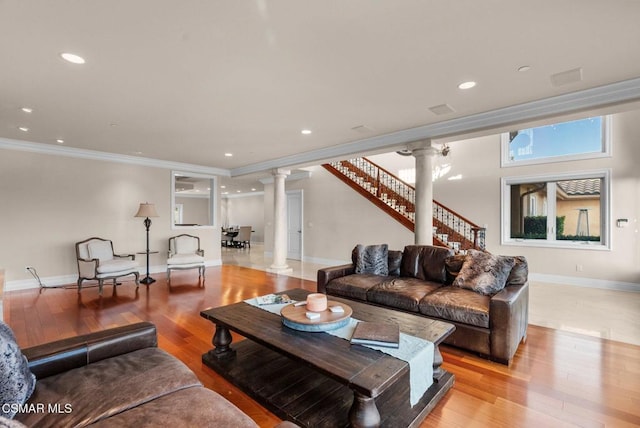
578,268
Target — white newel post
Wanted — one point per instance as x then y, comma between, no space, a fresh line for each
279,223
424,154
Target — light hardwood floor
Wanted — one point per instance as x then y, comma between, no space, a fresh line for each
557,379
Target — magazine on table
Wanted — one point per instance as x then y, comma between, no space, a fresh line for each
273,299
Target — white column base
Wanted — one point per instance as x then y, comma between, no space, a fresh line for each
279,269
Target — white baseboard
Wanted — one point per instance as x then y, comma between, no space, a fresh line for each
56,281
585,282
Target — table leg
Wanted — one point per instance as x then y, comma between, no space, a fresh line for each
438,371
222,342
363,412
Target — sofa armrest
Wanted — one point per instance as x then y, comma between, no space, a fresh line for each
509,317
66,354
327,274
125,256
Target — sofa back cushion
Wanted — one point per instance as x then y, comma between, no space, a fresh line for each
372,259
425,262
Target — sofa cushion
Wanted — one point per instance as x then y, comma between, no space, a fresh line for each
520,273
190,407
457,304
107,387
401,293
16,380
483,272
354,286
372,259
425,262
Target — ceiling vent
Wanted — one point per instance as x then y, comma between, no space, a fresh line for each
567,77
441,109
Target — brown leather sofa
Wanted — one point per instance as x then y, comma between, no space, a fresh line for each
119,377
419,282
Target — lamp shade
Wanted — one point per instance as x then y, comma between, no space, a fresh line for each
146,210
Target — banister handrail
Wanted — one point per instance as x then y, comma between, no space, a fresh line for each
398,200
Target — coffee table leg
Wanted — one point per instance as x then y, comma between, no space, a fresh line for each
363,412
222,341
438,371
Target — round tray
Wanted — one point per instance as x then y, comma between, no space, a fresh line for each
294,317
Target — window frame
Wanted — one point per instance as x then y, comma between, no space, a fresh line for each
605,210
506,162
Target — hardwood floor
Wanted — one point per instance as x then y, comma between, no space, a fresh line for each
557,379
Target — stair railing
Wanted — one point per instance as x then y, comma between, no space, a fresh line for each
398,198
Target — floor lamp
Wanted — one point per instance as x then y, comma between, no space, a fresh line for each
147,210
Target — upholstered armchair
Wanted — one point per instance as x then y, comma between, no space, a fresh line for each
96,261
185,253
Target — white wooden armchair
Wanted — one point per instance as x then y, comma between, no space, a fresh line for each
96,261
185,253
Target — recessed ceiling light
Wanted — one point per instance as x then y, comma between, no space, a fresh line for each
137,153
23,128
524,68
306,131
73,58
467,85
60,141
253,189
223,187
228,154
225,193
27,109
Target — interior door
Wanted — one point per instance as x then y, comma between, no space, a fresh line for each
294,224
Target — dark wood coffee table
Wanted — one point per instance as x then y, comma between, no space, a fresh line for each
316,379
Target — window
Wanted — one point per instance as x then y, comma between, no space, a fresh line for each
578,139
561,210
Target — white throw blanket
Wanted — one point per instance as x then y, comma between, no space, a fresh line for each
414,350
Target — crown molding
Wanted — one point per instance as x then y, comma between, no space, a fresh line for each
28,146
242,195
292,177
601,96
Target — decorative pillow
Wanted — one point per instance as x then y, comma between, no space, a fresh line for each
453,264
395,260
484,273
372,259
520,273
100,250
16,380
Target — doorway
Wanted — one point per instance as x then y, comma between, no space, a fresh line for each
294,224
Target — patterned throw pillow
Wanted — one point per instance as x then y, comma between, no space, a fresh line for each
16,380
484,273
373,259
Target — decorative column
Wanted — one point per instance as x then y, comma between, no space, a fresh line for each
424,154
279,223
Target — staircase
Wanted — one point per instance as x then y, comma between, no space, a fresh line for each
397,198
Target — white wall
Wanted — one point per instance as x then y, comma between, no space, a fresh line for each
50,202
336,218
